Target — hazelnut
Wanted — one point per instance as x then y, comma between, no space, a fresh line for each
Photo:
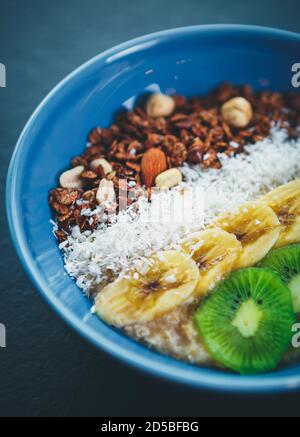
160,105
237,112
107,168
71,178
169,178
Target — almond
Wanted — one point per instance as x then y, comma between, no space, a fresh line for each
154,162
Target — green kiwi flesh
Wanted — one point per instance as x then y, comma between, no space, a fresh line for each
286,262
246,323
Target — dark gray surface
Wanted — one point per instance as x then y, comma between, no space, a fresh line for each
47,369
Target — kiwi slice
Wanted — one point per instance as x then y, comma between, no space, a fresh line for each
246,323
286,262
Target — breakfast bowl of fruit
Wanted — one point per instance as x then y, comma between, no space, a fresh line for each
154,199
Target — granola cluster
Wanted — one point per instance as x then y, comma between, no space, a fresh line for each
195,132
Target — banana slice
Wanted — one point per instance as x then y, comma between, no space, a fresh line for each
285,202
256,226
157,286
215,252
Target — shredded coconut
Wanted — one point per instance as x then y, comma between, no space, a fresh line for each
92,257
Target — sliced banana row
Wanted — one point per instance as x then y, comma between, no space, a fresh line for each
168,279
236,239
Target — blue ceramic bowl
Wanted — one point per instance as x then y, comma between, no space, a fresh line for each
189,61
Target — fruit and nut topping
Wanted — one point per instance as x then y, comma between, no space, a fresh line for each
240,314
182,221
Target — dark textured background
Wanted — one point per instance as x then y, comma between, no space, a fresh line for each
46,368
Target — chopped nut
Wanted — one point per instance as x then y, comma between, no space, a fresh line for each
105,195
237,112
160,105
107,168
169,178
72,178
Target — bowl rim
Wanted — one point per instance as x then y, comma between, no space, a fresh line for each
187,374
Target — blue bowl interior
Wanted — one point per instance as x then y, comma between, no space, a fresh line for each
189,61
